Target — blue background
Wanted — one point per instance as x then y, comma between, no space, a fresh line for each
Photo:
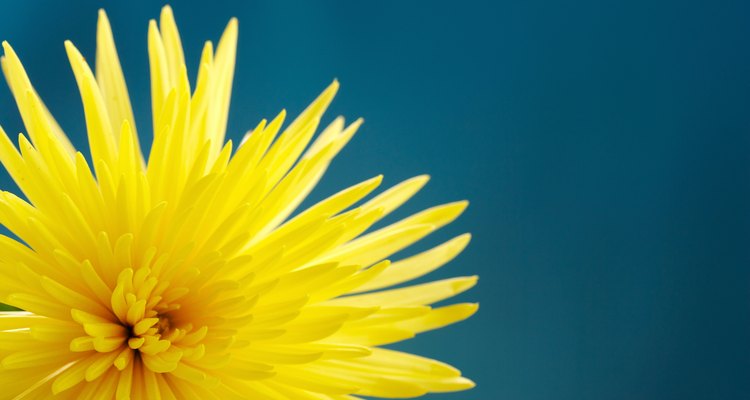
605,147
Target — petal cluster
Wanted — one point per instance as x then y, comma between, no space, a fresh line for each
189,273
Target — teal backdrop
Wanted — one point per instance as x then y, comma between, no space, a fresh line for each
604,145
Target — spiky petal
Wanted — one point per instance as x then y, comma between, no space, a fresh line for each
182,275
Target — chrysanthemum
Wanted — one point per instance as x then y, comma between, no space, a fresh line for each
186,275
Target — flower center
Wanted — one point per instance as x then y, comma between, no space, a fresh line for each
141,325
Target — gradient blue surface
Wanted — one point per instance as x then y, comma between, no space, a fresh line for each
605,147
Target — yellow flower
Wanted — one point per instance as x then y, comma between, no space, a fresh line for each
186,275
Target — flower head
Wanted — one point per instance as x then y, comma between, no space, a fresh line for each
186,274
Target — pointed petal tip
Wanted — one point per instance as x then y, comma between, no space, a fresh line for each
102,23
459,243
73,54
330,91
465,238
9,53
462,203
420,180
465,283
469,308
467,383
452,210
167,9
230,30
